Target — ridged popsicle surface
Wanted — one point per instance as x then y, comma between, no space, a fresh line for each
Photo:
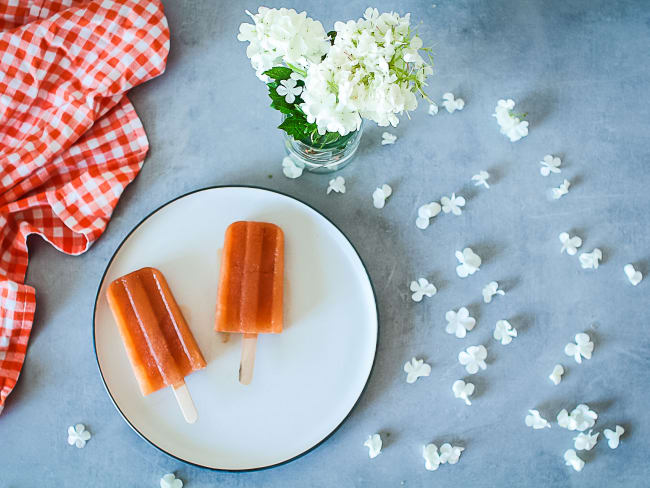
250,296
158,341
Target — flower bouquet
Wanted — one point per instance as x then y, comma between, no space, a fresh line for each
325,84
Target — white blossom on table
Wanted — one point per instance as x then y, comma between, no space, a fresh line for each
458,323
585,442
570,244
470,262
572,459
560,191
452,204
582,348
380,195
504,332
556,375
550,164
490,290
613,436
481,178
374,444
416,368
536,421
422,288
473,358
511,126
388,138
452,104
170,481
290,168
336,185
463,390
78,435
581,418
433,108
632,274
590,260
426,213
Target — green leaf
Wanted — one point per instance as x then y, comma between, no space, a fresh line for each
278,73
295,126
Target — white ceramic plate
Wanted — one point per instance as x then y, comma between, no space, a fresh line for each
307,379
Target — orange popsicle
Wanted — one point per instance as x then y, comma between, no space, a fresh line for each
160,345
249,300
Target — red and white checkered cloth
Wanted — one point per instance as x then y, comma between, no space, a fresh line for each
70,140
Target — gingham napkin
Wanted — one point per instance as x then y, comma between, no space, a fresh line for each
70,140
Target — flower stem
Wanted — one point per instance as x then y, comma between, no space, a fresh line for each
297,70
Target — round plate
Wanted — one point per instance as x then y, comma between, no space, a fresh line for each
307,379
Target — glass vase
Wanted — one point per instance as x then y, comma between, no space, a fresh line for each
323,158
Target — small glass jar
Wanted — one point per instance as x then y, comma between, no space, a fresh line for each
326,158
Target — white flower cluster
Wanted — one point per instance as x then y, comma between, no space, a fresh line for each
282,36
372,70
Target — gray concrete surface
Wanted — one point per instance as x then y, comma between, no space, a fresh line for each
580,69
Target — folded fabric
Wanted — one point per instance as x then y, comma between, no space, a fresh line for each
70,140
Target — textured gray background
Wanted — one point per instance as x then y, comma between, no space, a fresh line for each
580,69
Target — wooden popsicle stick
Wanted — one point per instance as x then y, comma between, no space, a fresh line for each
185,402
247,364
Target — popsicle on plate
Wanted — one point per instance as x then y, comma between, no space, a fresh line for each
160,345
250,296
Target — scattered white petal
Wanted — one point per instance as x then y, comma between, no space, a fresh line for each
78,435
470,262
481,179
450,454
426,213
421,288
388,138
473,358
572,459
463,390
504,332
459,323
536,421
585,442
632,274
373,443
336,184
491,289
556,375
581,349
589,260
452,204
431,457
613,437
290,168
433,108
416,368
511,126
550,164
452,104
581,418
563,189
380,195
570,244
170,481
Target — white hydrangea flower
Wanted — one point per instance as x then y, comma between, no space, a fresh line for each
380,195
452,204
585,442
170,481
282,36
632,274
337,185
481,179
613,437
374,444
290,168
388,138
473,358
581,349
491,289
550,164
431,457
504,332
572,459
463,390
288,90
556,375
78,435
416,368
470,262
426,213
422,288
452,104
536,421
560,191
458,323
581,418
511,126
433,108
589,260
450,454
570,244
